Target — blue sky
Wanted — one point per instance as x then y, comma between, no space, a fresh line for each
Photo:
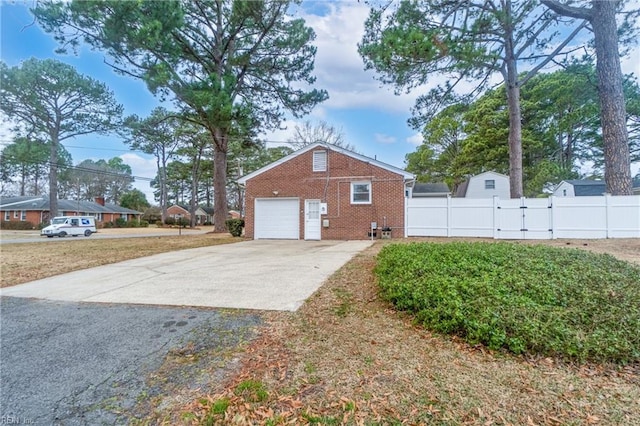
373,119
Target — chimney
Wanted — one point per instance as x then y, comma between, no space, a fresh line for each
99,200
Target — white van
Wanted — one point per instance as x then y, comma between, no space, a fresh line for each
62,226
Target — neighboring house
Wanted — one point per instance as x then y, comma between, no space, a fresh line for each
203,214
636,185
324,192
485,185
426,190
179,211
580,188
35,209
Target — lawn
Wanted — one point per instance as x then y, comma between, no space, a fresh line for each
23,262
349,357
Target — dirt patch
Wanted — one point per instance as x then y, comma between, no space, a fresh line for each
347,357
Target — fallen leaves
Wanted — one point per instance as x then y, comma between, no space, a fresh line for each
368,364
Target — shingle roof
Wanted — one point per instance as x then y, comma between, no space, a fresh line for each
587,187
429,189
42,204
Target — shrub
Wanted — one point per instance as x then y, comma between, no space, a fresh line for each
108,225
120,223
17,225
183,222
536,299
235,226
169,221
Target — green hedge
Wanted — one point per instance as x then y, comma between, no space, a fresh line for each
536,299
235,226
121,223
17,225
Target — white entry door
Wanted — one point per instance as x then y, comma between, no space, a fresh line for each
312,219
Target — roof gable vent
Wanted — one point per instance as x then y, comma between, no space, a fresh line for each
320,161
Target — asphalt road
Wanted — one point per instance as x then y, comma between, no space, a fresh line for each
72,363
15,237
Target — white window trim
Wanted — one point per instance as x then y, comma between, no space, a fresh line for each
362,182
23,215
486,184
124,216
320,161
7,215
16,214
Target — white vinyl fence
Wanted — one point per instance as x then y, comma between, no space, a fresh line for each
526,218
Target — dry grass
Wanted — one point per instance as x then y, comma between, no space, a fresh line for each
346,357
31,261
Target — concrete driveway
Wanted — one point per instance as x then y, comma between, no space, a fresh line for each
264,275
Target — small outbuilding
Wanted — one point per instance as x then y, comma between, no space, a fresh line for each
485,185
580,188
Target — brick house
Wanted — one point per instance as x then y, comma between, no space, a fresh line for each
35,209
179,211
203,214
325,192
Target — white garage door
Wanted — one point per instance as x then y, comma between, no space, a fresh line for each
277,218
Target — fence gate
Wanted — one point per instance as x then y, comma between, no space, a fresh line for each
524,219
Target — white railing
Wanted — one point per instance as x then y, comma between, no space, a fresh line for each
525,218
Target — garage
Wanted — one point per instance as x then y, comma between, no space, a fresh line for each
277,218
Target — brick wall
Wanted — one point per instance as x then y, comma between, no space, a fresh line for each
347,221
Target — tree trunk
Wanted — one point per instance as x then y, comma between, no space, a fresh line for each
515,115
23,179
220,209
194,194
53,177
163,185
613,115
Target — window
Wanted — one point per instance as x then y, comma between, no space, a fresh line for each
75,222
23,215
564,192
489,184
98,217
7,216
360,192
319,161
16,214
124,216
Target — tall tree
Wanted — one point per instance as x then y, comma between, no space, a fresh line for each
602,17
248,158
28,161
156,135
561,130
51,99
193,150
91,179
135,200
228,64
466,41
308,133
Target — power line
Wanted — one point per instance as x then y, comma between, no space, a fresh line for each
87,170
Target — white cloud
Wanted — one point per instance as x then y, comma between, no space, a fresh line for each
384,139
416,139
338,66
